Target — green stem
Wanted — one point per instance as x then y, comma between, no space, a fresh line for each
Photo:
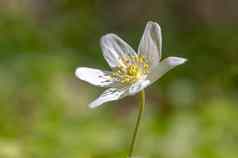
141,109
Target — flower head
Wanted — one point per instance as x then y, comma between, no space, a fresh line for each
131,71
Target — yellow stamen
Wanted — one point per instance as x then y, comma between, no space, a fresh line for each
131,70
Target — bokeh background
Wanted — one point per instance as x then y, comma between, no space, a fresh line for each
192,112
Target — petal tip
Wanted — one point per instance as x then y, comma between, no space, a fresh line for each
93,105
153,23
108,35
78,72
176,60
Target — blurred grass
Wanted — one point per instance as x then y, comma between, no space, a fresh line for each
191,112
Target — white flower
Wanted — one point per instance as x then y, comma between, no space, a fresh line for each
131,71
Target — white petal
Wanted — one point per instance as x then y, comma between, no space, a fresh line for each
115,50
94,76
110,94
138,86
164,66
151,43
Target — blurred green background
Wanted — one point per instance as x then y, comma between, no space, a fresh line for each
191,112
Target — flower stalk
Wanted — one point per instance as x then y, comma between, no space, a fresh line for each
139,116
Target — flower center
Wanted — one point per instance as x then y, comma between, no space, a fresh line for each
131,70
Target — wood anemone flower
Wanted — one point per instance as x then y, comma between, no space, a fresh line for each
131,72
